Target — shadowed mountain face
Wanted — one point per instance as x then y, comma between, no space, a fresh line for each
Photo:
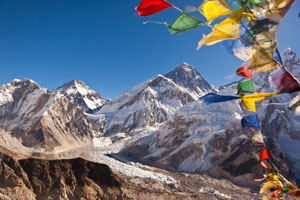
188,77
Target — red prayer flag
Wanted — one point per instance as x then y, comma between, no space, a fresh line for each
264,155
283,81
150,7
244,71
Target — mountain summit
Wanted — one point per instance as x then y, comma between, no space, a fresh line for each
188,77
78,92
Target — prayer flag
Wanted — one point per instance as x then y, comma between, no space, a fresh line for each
245,86
264,155
243,71
283,81
215,98
227,29
250,121
183,23
150,7
238,49
262,59
248,101
212,9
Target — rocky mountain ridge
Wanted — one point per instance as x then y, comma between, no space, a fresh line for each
34,118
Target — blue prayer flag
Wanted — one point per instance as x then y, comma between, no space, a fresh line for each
215,98
250,121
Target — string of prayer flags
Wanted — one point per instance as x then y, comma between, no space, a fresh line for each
245,87
248,101
212,9
243,71
215,98
276,185
283,81
150,7
273,186
227,29
250,121
274,20
257,31
263,156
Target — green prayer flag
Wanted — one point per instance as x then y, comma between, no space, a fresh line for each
183,23
285,190
245,87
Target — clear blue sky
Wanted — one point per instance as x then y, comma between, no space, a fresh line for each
105,44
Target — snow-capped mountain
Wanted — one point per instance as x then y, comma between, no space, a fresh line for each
153,101
33,117
200,138
188,77
160,122
144,105
77,92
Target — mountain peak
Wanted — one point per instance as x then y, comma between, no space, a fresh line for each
184,67
72,84
188,77
77,91
17,83
289,54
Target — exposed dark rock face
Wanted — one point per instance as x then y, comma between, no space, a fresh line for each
58,179
188,77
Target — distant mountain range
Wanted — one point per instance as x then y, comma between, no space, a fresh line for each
160,122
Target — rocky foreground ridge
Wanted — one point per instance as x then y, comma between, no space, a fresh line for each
31,179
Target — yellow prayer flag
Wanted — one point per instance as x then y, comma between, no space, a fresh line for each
266,187
227,29
262,57
212,9
248,101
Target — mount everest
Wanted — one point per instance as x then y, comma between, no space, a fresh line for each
160,123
